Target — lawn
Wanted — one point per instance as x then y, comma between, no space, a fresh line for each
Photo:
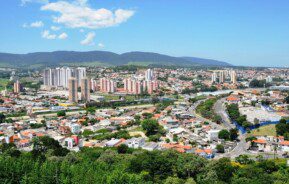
269,130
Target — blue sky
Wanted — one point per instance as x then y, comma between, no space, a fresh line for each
244,32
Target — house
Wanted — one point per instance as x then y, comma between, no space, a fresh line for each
69,142
284,146
135,142
213,135
114,142
206,153
260,144
233,99
178,147
179,132
150,146
75,128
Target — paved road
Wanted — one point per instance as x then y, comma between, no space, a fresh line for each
219,109
241,147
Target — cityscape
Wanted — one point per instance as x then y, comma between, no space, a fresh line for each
108,115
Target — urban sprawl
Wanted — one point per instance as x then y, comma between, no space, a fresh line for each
214,113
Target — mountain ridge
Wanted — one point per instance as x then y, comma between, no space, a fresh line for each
103,57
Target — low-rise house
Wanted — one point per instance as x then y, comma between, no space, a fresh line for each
212,135
178,147
135,142
206,153
284,145
150,146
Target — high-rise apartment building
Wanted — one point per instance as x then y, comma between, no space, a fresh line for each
149,75
72,89
17,87
221,77
233,77
85,90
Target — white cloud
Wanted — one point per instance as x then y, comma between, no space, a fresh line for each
55,28
46,34
88,39
81,30
62,36
36,24
78,14
23,2
101,45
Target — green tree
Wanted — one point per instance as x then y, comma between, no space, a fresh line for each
220,148
61,113
122,149
2,118
151,126
224,134
233,134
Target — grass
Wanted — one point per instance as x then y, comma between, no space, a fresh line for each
3,83
269,130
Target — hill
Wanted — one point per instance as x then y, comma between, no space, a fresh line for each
102,58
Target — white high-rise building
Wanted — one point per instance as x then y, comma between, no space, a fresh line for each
221,77
214,77
149,75
233,77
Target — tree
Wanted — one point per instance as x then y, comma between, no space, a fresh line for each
244,159
233,134
151,126
173,180
61,113
122,149
2,118
224,134
286,100
220,148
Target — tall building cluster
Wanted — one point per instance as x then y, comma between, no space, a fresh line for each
134,86
59,77
107,85
221,76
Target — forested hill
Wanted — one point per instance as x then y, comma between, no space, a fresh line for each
50,163
102,58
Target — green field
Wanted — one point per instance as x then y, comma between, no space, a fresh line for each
269,130
3,83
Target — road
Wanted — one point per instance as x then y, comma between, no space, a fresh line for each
221,111
241,147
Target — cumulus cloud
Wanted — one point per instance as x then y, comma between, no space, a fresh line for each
55,28
79,14
34,24
46,34
101,45
88,39
62,36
